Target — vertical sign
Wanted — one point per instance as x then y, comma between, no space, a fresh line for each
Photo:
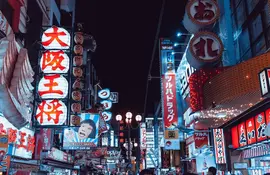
169,101
242,134
143,136
53,87
4,158
260,124
219,146
251,138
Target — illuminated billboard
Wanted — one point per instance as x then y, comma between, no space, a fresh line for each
84,136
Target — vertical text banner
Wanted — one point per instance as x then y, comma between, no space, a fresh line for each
169,101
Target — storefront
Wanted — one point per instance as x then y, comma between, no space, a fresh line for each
248,146
56,162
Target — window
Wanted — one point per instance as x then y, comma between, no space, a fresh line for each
240,14
266,15
256,27
244,42
259,46
246,55
251,5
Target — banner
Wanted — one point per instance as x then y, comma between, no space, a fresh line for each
168,95
85,136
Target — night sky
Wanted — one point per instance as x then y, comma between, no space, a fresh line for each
124,31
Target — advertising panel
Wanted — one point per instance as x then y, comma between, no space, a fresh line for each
242,134
219,144
168,95
251,136
23,140
260,124
201,139
4,158
235,140
85,136
203,162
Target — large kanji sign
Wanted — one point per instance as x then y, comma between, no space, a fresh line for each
54,61
169,101
200,14
205,48
51,112
23,139
53,86
56,38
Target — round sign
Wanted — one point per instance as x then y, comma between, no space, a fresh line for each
53,86
107,104
104,93
200,14
55,38
78,38
204,48
107,116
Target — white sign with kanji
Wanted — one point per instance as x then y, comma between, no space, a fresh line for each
56,38
53,86
51,112
54,61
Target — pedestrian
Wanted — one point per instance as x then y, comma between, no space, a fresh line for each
212,171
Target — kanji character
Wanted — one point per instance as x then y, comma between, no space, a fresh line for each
54,36
51,85
2,129
204,11
242,138
12,135
30,143
261,130
53,59
52,109
170,117
22,140
200,48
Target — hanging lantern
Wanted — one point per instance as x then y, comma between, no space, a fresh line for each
75,120
78,84
76,107
76,95
77,60
78,38
77,72
78,49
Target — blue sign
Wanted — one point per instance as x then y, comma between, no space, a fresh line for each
104,93
107,104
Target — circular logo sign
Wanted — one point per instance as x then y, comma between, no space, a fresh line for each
203,12
107,116
104,93
107,104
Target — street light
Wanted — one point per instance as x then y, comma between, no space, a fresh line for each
128,121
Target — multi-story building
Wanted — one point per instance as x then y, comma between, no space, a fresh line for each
153,151
214,93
